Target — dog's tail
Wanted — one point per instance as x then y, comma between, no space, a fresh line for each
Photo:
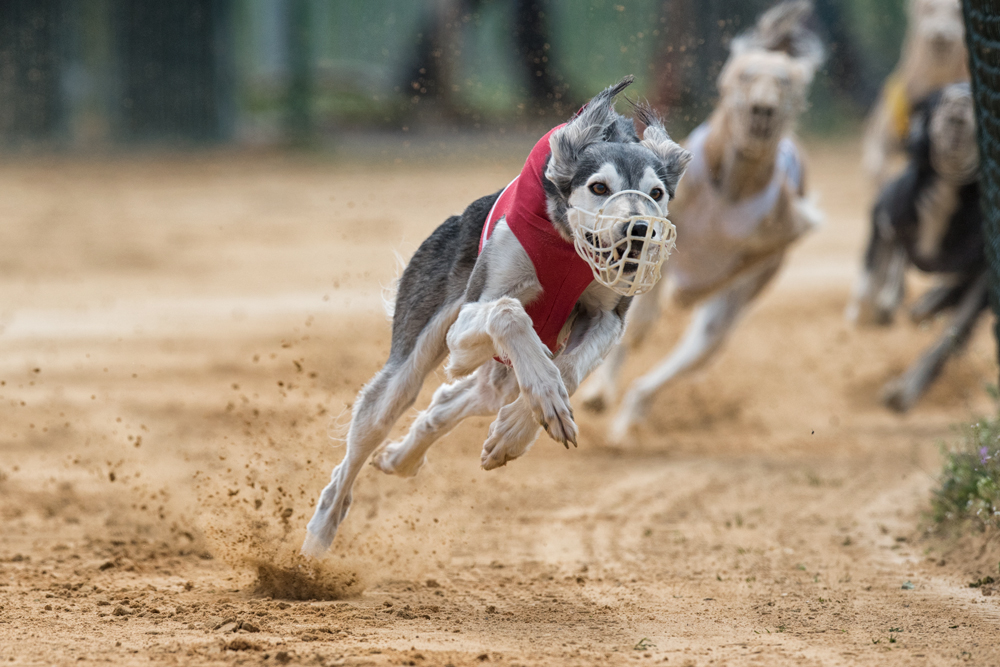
390,291
784,27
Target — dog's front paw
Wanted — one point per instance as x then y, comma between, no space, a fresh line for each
510,435
549,402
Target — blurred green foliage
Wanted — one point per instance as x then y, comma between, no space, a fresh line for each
969,488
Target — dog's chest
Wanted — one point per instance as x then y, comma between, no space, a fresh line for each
936,204
715,234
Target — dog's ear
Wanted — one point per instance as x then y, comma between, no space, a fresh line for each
655,138
588,127
785,28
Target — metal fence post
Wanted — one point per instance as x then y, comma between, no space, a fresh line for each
982,34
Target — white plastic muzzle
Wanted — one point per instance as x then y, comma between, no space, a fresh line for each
631,263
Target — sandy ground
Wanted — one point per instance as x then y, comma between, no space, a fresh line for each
182,339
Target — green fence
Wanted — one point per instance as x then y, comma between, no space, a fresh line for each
137,70
982,20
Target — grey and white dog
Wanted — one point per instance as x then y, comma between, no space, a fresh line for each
453,299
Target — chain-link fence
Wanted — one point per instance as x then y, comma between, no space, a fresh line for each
982,20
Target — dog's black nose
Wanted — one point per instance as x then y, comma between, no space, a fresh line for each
762,110
640,228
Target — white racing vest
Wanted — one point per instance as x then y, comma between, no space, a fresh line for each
715,234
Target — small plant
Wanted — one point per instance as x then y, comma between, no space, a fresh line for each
970,483
643,644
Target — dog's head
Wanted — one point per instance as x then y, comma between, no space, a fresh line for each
599,165
764,84
951,134
937,31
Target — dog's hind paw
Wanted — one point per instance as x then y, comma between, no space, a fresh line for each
595,396
511,435
330,513
392,461
595,403
314,547
622,425
897,396
464,361
494,457
632,411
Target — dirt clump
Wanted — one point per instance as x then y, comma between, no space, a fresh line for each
305,579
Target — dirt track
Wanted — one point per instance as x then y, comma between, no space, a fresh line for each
181,340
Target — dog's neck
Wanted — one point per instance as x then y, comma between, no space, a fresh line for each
736,173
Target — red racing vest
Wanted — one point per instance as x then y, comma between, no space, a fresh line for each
563,274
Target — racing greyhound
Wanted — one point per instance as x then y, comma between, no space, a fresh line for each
742,205
527,291
929,217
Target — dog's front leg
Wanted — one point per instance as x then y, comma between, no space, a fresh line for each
600,391
502,328
590,342
880,288
592,338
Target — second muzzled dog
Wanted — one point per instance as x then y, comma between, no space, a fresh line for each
740,208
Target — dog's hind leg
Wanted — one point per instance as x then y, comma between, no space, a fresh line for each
900,394
945,294
710,325
600,391
481,394
379,405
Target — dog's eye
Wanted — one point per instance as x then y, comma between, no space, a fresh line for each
599,189
656,194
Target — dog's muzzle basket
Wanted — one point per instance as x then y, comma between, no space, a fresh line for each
629,264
